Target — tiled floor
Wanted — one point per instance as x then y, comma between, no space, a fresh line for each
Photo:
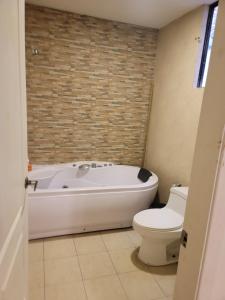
95,266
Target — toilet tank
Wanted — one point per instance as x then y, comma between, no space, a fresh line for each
177,199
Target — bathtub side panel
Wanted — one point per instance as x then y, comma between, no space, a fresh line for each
67,214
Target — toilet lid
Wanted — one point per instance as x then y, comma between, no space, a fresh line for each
159,219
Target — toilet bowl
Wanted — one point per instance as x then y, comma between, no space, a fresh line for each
161,229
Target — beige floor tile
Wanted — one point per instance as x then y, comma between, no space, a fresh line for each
72,291
104,288
117,240
89,243
36,274
60,271
166,277
123,260
60,247
96,265
140,286
164,271
167,285
35,250
36,294
135,237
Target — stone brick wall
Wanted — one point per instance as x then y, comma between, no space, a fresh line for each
89,88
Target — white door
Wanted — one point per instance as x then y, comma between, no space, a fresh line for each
201,197
13,155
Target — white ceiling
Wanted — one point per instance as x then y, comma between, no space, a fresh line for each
149,13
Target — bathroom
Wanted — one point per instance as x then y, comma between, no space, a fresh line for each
118,132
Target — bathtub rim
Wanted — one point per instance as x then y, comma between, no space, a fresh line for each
142,186
89,190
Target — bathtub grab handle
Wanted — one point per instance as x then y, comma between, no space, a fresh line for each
33,183
84,167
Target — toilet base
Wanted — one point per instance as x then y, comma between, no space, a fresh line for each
157,252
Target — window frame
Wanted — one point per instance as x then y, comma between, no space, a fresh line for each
206,43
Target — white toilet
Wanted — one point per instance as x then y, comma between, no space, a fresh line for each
161,229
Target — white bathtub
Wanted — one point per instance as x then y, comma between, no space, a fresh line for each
99,198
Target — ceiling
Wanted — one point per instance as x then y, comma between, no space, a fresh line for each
149,13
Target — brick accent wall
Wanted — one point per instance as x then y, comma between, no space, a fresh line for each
89,88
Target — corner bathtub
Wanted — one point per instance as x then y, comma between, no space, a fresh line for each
70,200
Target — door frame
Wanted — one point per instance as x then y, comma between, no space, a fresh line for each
209,277
204,170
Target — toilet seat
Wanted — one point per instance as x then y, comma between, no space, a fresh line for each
164,219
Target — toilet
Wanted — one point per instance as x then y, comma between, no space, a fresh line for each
161,229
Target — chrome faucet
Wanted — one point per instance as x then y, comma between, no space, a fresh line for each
84,167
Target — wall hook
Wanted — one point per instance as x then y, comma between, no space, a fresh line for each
198,39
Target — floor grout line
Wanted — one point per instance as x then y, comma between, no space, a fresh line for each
117,274
156,281
82,277
108,251
44,267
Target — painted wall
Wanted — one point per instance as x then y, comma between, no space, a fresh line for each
89,89
176,102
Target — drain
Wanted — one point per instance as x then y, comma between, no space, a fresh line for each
65,186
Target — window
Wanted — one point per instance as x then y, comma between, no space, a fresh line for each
209,35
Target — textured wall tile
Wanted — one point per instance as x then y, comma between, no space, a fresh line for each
89,88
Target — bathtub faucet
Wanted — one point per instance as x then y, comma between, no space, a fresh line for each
84,167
